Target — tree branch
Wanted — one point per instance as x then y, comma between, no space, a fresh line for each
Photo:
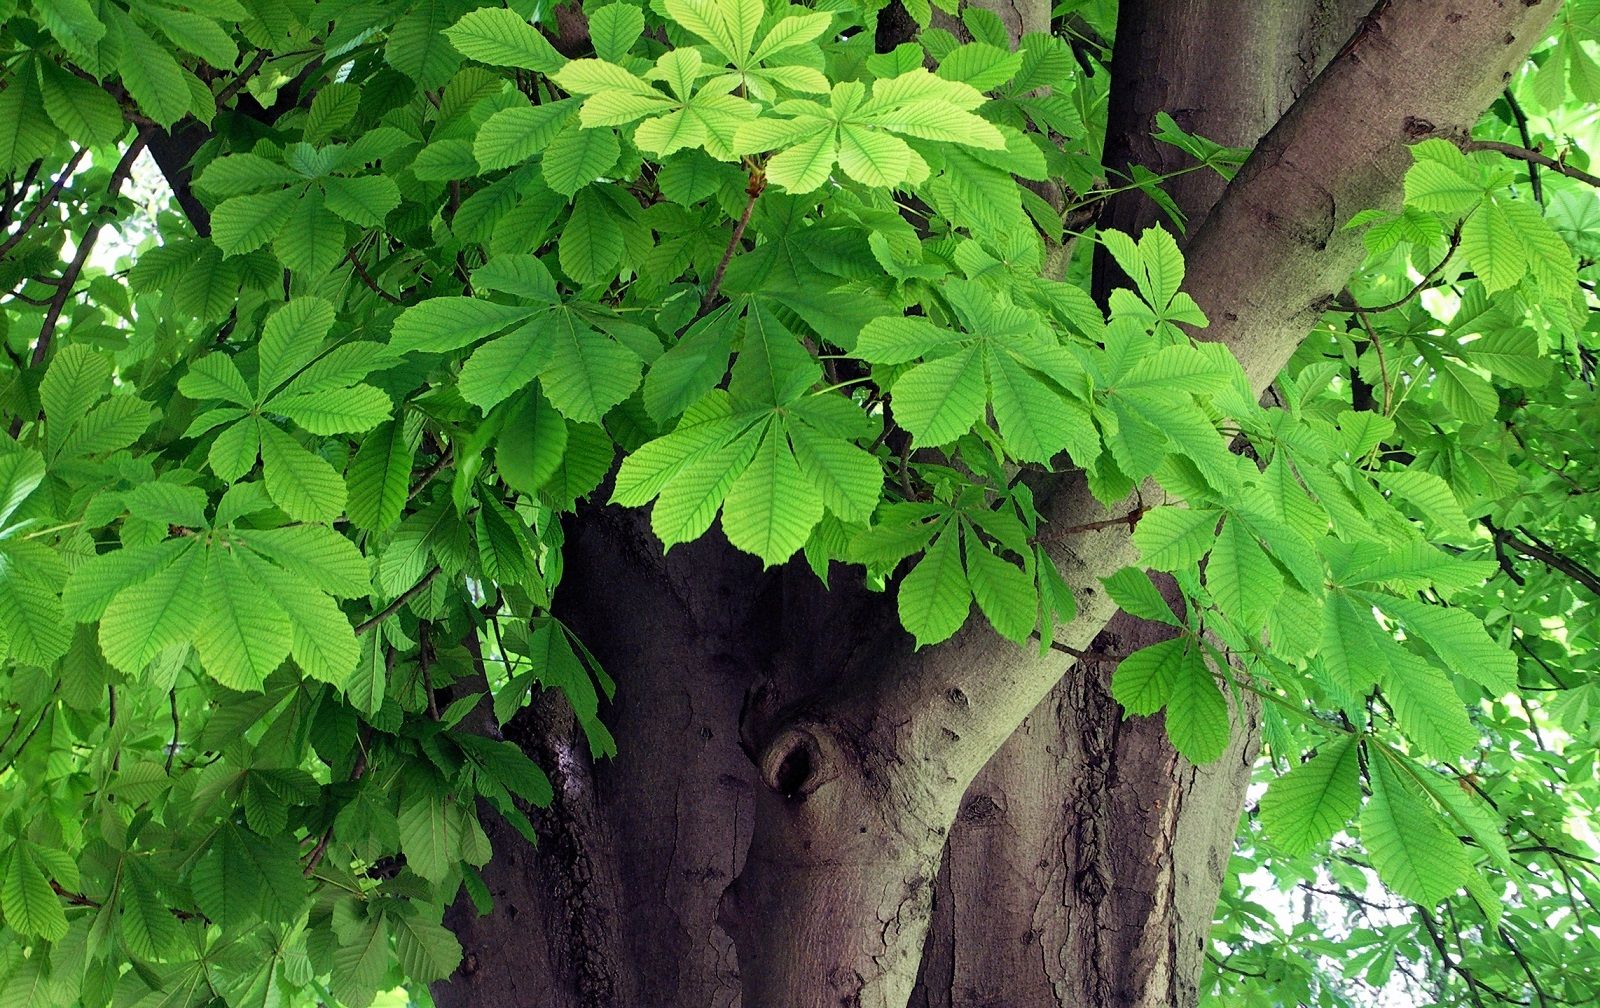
69,279
1533,157
45,200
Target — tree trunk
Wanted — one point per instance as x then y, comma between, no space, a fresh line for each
805,812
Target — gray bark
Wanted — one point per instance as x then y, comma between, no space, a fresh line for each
792,772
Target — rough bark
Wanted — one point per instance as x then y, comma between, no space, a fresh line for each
791,742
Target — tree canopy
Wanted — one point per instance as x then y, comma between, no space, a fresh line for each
290,442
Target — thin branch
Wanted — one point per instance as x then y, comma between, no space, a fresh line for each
366,278
757,183
1549,557
394,607
172,750
356,773
1383,365
69,279
1131,519
45,201
1351,306
244,75
1532,157
1521,119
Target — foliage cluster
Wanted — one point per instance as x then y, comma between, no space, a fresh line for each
281,497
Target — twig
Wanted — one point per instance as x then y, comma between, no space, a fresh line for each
244,75
69,279
1131,519
394,607
1521,119
356,773
1351,306
429,473
1377,344
1549,557
758,182
366,278
45,201
1533,157
172,750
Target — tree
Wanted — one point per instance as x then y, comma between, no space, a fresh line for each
714,502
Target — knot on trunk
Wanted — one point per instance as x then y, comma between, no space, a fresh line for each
796,762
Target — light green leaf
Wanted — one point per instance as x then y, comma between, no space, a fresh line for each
1004,592
442,324
1197,714
1144,681
935,597
1405,835
940,400
1174,538
1314,800
771,508
299,481
244,634
147,617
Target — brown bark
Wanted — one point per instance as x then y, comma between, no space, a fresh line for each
1083,864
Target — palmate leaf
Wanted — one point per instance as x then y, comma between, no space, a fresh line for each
771,508
690,499
428,833
578,156
516,134
584,373
940,400
1314,800
935,597
244,634
1427,709
1173,538
1197,713
1004,591
32,629
300,482
1457,637
148,616
501,37
379,477
320,638
29,904
1414,853
1144,681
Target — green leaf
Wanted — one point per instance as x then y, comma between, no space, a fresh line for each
592,245
30,906
1004,592
1144,681
1414,853
849,478
426,950
1197,714
516,134
939,401
21,472
315,553
245,223
578,156
32,628
501,37
379,476
771,508
585,373
1427,709
335,411
1135,594
147,617
1313,801
442,324
244,634
303,484
532,445
1240,576
1175,538
427,833
79,108
152,77
935,597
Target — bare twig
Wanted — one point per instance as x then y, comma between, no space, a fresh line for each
366,278
757,183
69,279
1533,157
1521,119
45,201
394,607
